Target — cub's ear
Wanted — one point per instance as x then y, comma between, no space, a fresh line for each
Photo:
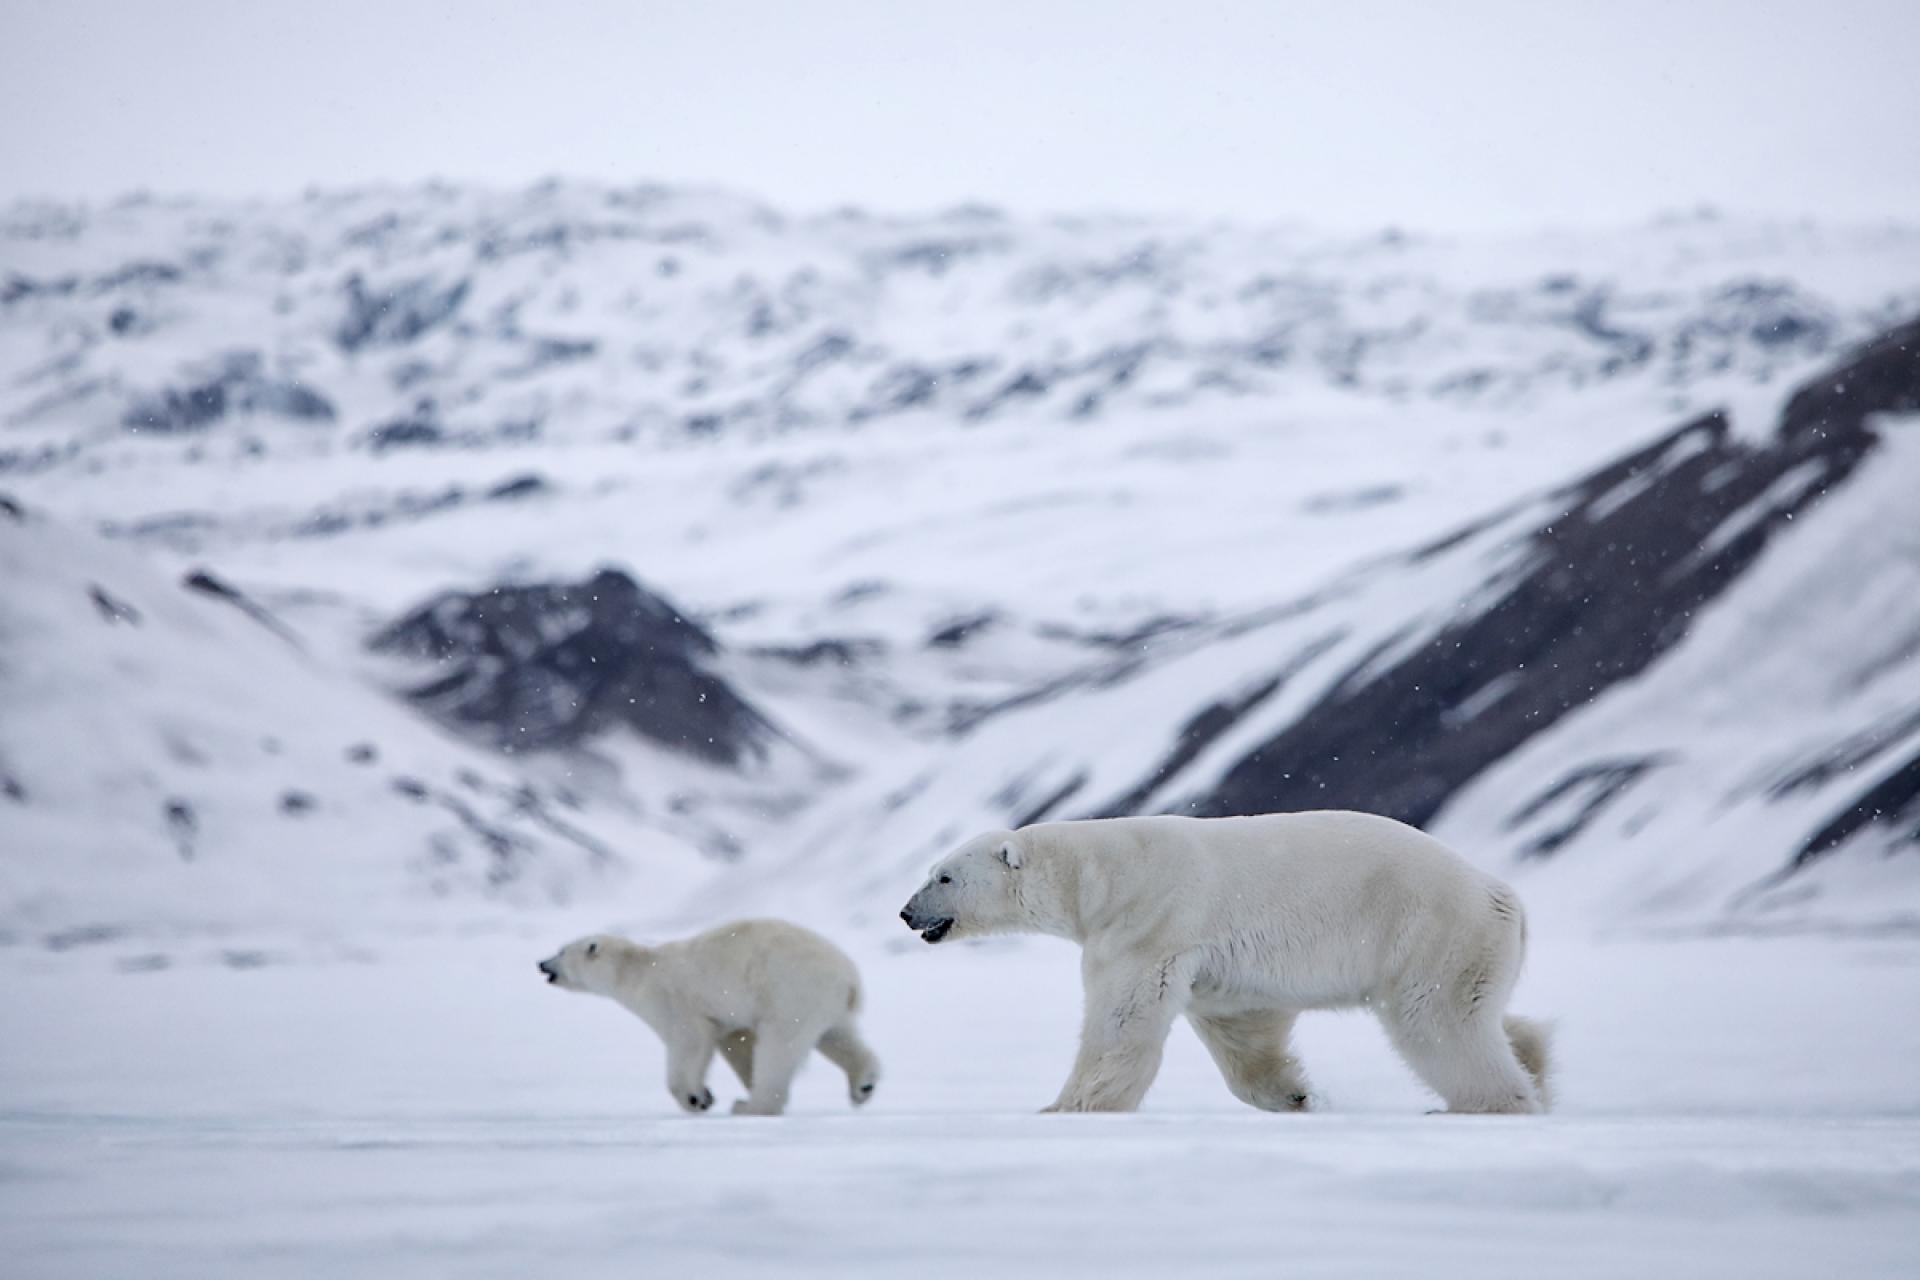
1010,854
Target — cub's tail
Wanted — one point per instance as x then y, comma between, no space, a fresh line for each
1533,1044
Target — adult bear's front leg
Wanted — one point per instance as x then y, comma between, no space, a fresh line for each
1124,1032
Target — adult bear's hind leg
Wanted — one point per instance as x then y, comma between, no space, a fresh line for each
1252,1053
1466,1058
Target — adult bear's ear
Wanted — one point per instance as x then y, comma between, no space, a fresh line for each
1010,854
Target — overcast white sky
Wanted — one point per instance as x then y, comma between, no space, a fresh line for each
1431,115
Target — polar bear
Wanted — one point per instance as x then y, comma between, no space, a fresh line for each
761,993
1242,923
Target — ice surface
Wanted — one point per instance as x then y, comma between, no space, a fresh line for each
1735,1108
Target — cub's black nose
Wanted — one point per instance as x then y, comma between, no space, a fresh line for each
907,916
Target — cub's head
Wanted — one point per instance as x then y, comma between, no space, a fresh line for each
591,964
973,890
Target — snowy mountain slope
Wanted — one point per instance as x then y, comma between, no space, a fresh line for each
1743,613
1767,765
987,518
173,760
437,316
1609,582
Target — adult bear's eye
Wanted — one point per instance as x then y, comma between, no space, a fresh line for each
593,949
946,879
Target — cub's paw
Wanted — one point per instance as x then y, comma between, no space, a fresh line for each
695,1102
862,1093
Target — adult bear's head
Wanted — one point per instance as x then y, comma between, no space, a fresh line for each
973,890
596,964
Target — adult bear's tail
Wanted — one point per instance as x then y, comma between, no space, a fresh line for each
1533,1044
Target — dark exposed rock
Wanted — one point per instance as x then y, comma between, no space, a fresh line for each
1028,384
1843,757
86,935
172,411
898,388
295,803
396,314
201,582
138,273
11,509
182,824
546,666
112,608
289,400
953,634
1207,724
407,505
526,485
363,753
1354,499
784,484
1628,349
828,348
855,592
1615,579
1586,792
1048,803
19,287
1133,637
401,433
506,847
1892,802
936,255
237,383
841,653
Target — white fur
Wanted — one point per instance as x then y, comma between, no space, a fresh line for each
1242,923
760,993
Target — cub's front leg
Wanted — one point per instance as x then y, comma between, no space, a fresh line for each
689,1054
778,1052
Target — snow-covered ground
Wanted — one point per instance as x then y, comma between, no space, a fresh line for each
1729,1108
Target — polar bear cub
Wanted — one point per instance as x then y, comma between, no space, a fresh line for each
760,993
1239,924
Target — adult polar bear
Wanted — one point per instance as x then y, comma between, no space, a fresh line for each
1242,923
